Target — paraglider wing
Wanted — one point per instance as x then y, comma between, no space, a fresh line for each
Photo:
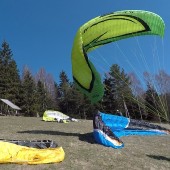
109,128
30,152
103,30
51,115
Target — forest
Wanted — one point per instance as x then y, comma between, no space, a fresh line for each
124,94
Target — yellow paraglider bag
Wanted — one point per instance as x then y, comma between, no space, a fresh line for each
13,153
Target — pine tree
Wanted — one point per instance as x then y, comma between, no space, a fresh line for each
72,101
40,99
56,96
109,103
29,93
168,105
152,104
10,85
118,94
64,90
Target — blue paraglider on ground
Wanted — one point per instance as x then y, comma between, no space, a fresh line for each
109,128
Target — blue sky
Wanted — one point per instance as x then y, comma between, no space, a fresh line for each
41,33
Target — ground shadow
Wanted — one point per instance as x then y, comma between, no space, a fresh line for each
87,137
158,157
49,132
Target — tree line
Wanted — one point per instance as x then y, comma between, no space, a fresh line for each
124,93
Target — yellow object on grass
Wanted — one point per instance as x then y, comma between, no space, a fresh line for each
12,153
51,115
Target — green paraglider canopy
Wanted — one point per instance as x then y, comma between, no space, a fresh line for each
103,30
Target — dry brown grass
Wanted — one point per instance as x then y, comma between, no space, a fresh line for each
82,153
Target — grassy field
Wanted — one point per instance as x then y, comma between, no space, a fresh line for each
82,153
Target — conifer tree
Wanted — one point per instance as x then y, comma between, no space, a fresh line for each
64,90
56,96
40,99
10,85
118,93
152,103
29,93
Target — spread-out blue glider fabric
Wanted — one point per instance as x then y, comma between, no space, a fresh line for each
115,122
109,128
